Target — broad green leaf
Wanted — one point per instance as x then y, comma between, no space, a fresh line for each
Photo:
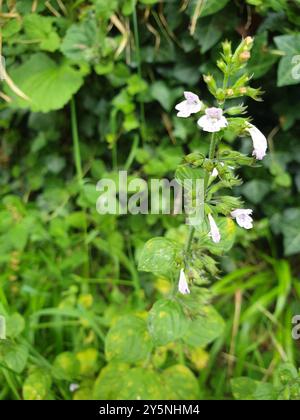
289,69
149,1
104,8
249,389
205,328
166,322
257,66
40,29
289,226
82,42
128,340
179,383
289,44
66,366
48,85
37,385
14,356
15,324
207,7
141,384
158,256
109,382
162,93
208,33
256,190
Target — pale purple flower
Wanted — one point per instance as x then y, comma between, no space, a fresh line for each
191,105
213,120
243,217
260,144
183,286
214,230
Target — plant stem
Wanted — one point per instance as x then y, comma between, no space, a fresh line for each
79,172
76,147
211,155
139,67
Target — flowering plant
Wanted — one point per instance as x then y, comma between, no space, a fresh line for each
191,266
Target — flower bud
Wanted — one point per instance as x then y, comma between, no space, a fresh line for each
249,41
211,83
222,66
229,92
244,56
227,49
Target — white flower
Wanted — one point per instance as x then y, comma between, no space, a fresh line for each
215,172
183,286
191,105
260,144
213,120
243,217
214,230
73,387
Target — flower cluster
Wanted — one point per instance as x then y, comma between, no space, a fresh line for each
218,119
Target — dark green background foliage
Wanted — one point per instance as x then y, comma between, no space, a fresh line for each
77,308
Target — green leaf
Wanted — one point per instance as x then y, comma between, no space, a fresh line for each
81,42
36,385
66,366
256,190
209,7
40,28
204,328
179,383
161,92
208,33
109,382
141,384
149,1
15,325
249,389
128,340
48,85
105,9
288,70
158,256
256,65
14,356
290,229
166,322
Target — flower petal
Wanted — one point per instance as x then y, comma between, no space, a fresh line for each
214,230
260,144
183,286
